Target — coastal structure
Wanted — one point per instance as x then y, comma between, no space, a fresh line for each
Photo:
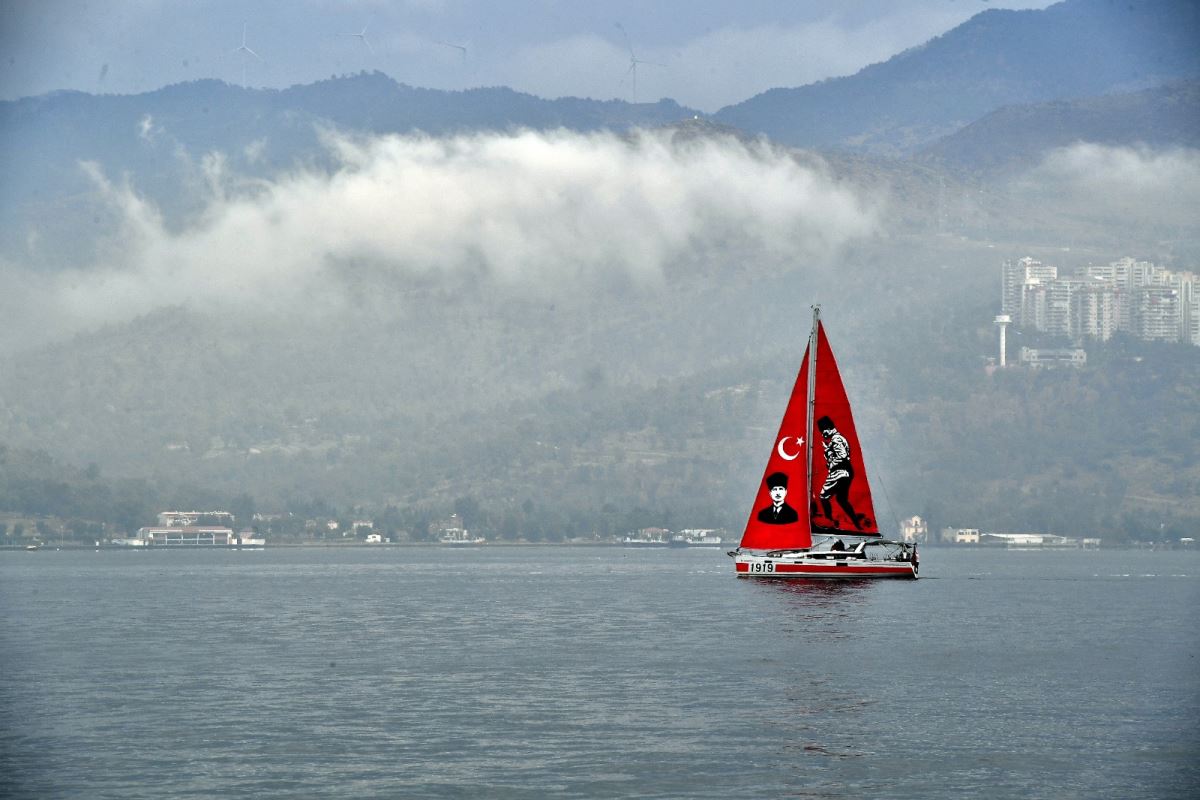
976,537
914,529
1053,356
193,536
647,537
453,532
1002,322
193,529
173,519
1025,540
697,537
962,536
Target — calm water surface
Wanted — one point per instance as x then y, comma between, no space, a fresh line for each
589,672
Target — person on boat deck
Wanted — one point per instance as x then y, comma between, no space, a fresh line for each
779,512
841,472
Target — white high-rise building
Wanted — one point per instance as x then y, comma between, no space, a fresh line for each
1095,309
1057,312
1138,297
1155,314
1125,273
1185,283
1145,273
1016,276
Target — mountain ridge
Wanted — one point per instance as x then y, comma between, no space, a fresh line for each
998,57
1014,138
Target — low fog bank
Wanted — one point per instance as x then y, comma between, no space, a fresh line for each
539,214
559,215
1137,197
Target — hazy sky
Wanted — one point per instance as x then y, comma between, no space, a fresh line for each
702,53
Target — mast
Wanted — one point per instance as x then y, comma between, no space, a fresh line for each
812,402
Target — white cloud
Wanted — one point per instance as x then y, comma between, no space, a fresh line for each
1136,185
255,150
147,130
530,211
1120,170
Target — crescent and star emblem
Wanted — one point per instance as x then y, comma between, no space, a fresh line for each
784,454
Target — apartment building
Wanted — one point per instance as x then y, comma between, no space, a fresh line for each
1137,297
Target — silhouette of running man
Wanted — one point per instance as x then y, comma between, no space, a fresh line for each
841,472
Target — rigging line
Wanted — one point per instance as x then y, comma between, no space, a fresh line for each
891,507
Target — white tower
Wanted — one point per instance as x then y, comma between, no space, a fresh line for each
1001,322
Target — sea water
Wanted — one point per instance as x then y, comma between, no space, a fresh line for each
594,672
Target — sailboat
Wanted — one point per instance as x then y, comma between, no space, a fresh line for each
813,516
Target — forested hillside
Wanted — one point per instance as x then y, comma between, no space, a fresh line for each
566,317
1105,451
1016,138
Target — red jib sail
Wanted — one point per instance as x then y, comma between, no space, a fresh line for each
779,519
838,501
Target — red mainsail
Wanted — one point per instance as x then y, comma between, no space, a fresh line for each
841,497
788,509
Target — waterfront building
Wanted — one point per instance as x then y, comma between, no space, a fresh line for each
452,531
966,536
960,535
192,536
168,519
1053,356
1025,540
914,529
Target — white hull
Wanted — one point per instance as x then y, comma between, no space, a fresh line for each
882,561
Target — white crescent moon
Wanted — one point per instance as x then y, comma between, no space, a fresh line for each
783,453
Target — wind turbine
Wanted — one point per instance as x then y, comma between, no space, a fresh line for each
363,37
633,61
455,46
245,49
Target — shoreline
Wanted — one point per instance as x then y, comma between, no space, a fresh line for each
277,545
